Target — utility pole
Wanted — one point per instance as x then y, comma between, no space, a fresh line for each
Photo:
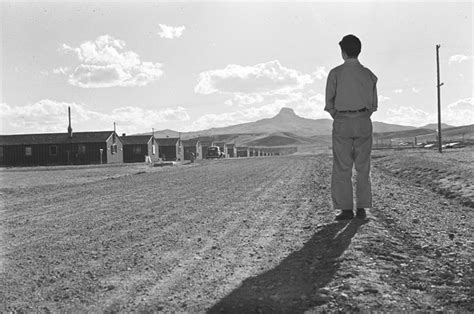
438,85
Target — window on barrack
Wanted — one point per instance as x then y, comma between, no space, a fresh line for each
81,148
113,149
28,151
137,149
53,150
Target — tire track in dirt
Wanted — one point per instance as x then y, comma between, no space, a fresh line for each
284,242
246,234
218,253
197,215
44,240
80,243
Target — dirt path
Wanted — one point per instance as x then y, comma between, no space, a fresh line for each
234,236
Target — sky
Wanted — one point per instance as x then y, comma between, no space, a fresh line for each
190,66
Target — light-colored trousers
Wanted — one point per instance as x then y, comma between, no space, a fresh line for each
351,146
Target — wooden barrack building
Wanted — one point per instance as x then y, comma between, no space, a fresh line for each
137,147
60,149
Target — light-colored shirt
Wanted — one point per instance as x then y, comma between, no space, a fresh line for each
351,86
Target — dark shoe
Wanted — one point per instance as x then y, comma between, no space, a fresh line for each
361,213
345,215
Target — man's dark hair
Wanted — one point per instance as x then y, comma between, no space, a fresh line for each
351,45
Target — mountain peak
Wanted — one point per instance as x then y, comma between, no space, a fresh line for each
286,112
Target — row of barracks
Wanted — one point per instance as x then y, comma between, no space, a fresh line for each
106,147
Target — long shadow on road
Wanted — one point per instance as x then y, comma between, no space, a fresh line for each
292,286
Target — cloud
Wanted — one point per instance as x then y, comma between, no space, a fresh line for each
43,116
457,113
459,58
231,118
460,112
134,119
409,116
171,32
51,116
263,78
105,63
398,91
244,99
263,84
320,73
415,90
307,104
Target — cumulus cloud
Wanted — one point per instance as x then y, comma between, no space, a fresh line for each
135,118
409,116
105,63
459,59
460,112
307,104
171,32
398,91
244,99
264,78
51,116
415,90
320,73
457,113
236,117
264,83
43,116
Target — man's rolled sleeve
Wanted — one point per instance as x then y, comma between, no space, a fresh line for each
375,103
375,99
330,93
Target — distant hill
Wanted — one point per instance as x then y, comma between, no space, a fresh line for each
287,128
465,132
286,121
381,127
407,134
280,139
425,135
434,126
166,133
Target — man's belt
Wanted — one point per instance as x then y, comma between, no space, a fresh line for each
354,111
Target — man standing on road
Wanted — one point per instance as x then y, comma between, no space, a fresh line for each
351,98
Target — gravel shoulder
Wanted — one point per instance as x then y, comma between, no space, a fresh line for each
251,234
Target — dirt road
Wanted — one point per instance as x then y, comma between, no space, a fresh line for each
241,235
